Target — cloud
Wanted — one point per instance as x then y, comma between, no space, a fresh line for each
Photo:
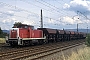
28,22
66,6
6,14
7,23
82,6
9,20
10,13
69,20
51,21
7,17
17,10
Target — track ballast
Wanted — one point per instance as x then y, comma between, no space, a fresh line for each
36,52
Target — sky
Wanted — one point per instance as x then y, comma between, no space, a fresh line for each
57,14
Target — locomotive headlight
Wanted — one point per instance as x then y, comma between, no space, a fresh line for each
6,37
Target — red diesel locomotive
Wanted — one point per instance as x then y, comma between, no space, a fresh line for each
26,35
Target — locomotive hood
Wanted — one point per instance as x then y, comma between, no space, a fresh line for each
14,33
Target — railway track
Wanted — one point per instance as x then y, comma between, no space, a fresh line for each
36,52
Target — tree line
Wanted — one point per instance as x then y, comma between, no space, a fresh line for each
2,34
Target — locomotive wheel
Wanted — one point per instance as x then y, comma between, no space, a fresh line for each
27,43
46,41
41,42
12,45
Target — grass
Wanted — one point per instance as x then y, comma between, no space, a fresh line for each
2,40
82,54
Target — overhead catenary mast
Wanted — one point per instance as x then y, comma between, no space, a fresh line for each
41,19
